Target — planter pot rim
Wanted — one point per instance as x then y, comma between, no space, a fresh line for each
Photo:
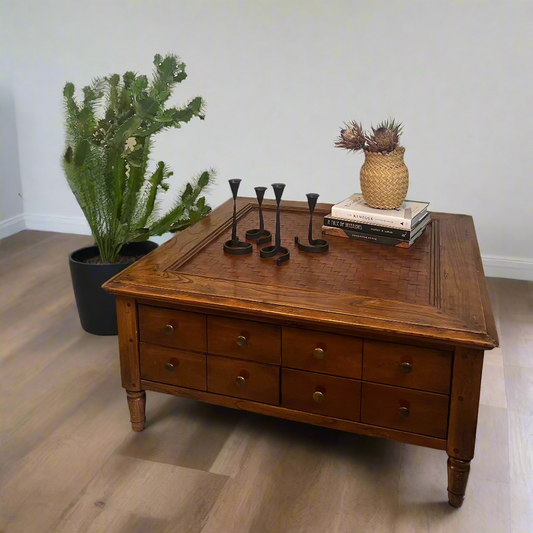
72,256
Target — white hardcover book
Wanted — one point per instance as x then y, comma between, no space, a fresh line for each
403,217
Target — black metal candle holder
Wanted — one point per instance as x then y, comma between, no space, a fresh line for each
259,235
271,251
234,246
315,246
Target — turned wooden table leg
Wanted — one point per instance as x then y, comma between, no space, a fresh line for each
464,405
457,479
137,406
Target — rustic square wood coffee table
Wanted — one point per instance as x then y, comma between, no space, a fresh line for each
365,338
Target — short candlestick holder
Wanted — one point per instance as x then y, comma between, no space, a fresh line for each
234,246
260,235
272,251
315,246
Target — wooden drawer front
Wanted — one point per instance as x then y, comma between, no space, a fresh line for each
408,410
175,367
244,339
339,397
242,379
407,366
169,327
328,353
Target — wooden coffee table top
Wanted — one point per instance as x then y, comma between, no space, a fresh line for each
435,289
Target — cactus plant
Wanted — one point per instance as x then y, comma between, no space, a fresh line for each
109,136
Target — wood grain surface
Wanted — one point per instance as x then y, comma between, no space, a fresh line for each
262,342
188,330
341,397
428,369
341,355
128,342
243,379
425,412
433,290
365,269
175,367
464,403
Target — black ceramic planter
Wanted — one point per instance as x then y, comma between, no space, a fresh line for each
96,307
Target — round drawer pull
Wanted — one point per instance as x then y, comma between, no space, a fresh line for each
241,382
242,340
318,397
169,330
319,353
406,368
169,367
404,412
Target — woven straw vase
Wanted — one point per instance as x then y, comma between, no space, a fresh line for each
384,179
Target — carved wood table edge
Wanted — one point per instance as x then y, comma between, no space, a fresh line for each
364,338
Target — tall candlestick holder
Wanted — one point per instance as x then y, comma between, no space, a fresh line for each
272,251
260,235
315,246
234,246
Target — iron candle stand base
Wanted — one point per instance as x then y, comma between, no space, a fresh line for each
276,249
271,251
237,248
315,246
318,246
234,246
259,235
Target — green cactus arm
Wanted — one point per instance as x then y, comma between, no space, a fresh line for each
187,201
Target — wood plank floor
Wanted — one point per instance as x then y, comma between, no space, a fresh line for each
69,462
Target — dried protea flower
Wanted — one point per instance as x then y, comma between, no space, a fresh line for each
385,137
351,138
386,140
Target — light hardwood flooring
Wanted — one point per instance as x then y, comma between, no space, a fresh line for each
69,462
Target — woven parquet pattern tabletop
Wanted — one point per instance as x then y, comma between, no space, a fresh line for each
350,267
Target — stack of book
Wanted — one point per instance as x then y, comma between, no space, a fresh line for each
354,219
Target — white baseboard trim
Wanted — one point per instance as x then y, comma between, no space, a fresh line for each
59,224
11,225
495,267
508,267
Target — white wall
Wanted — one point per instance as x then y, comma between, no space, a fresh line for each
11,208
280,77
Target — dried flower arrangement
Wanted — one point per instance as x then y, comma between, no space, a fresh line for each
384,138
384,176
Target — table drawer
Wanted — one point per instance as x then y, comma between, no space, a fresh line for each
327,353
244,339
407,366
409,410
321,394
175,367
170,327
243,379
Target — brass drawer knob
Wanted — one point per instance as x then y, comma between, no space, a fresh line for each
319,353
169,330
404,412
242,340
406,368
241,382
318,397
169,367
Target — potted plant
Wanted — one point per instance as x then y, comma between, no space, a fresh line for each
384,176
109,136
